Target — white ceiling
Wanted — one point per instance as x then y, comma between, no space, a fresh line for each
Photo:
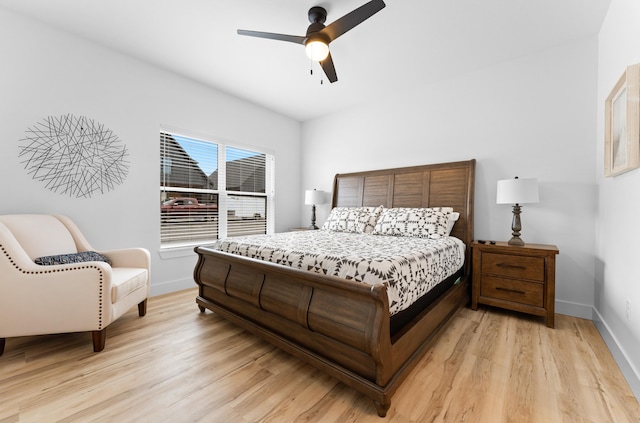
408,43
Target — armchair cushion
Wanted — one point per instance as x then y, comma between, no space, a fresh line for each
71,258
127,280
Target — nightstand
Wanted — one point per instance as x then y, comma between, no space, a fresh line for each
516,278
301,229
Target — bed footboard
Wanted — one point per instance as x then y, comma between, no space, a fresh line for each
339,326
333,320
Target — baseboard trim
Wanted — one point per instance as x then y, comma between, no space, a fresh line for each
171,286
629,372
584,311
581,311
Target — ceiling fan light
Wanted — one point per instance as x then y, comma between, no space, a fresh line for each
317,50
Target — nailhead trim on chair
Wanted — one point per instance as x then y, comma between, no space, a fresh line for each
100,288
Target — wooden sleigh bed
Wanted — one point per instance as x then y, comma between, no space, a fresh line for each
340,326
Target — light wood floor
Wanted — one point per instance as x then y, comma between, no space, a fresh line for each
178,365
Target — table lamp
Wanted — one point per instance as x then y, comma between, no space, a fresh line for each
517,191
313,197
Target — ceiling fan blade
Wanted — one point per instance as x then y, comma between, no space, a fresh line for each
281,37
329,69
353,19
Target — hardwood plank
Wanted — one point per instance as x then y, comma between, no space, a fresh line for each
177,364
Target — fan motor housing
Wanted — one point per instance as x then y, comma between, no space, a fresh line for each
317,14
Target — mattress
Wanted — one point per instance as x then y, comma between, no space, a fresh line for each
409,267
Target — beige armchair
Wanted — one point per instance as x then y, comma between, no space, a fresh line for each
75,297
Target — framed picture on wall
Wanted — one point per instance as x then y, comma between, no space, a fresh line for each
622,124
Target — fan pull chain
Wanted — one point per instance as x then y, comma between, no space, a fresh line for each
321,74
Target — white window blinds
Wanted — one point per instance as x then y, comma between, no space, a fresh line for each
210,190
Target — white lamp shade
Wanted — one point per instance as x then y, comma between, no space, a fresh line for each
312,196
517,191
317,50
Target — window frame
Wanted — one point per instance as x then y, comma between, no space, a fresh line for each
223,195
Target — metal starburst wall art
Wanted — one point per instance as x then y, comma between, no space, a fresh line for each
74,156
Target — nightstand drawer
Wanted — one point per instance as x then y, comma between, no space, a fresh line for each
531,293
522,267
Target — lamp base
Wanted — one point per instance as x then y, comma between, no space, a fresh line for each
516,241
516,226
313,218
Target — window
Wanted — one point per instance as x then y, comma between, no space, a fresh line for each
211,190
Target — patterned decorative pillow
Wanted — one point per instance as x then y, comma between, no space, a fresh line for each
414,222
71,258
453,218
352,219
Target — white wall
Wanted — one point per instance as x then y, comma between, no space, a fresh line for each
618,226
46,72
531,117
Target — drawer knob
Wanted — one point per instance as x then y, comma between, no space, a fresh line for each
515,291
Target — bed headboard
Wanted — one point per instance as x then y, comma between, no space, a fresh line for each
435,185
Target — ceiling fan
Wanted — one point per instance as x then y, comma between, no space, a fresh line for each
318,36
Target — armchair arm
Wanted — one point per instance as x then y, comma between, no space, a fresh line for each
10,249
128,257
53,299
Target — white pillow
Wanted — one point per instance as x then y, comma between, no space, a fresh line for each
352,219
414,222
453,218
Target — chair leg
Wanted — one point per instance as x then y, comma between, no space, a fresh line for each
142,308
99,338
2,342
